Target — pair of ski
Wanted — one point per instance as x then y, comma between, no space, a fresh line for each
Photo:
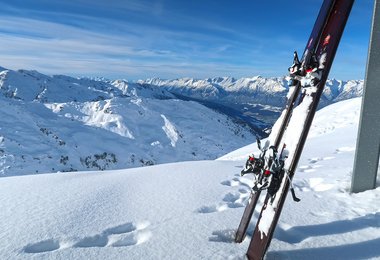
309,77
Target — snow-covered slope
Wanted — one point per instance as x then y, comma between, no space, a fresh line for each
60,123
190,210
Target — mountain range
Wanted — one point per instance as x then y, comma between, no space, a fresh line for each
266,91
60,123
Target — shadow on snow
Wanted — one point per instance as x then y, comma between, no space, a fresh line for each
359,250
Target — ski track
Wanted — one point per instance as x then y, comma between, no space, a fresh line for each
345,149
128,234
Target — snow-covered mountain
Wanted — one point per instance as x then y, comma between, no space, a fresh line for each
259,90
60,123
250,99
191,210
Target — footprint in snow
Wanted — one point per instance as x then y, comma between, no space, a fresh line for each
315,160
313,184
235,199
128,234
238,181
212,209
312,166
231,183
306,168
345,149
225,236
43,246
231,200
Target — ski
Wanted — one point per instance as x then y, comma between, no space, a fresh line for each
295,136
297,69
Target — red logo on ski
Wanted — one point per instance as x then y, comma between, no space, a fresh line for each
327,40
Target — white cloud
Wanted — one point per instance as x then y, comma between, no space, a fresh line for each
56,48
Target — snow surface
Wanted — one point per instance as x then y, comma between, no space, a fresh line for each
190,210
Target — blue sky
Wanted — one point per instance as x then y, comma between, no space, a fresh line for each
139,39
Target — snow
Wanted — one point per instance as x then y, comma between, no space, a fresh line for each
59,123
170,131
190,210
266,91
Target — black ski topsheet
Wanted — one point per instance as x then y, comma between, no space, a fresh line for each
310,50
247,215
325,52
315,36
285,117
